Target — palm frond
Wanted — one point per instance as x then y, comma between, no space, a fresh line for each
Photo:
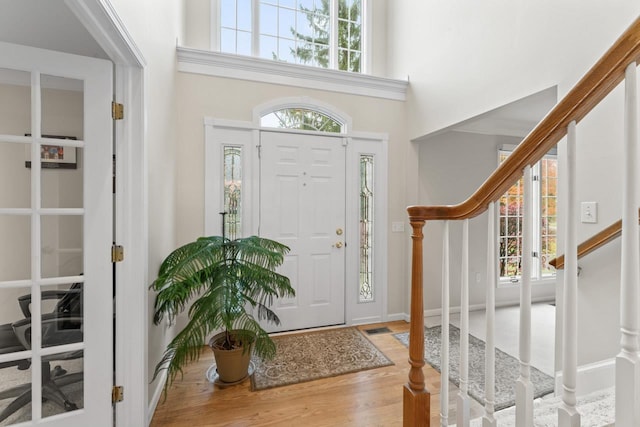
220,279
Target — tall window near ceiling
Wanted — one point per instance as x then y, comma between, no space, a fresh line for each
232,191
319,33
544,201
366,228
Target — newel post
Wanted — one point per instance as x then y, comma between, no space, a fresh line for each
417,400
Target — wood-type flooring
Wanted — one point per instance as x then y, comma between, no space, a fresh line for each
362,399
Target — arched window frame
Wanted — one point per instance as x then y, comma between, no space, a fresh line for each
305,103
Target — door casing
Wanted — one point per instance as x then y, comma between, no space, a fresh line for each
220,132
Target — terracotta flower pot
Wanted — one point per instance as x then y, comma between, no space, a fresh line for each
232,365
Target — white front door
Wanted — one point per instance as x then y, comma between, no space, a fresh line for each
302,204
55,231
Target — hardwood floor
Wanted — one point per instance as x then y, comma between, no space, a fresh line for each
362,399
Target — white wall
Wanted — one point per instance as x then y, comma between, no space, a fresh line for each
464,58
155,25
467,57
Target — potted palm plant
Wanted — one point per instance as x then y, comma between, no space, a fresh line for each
229,285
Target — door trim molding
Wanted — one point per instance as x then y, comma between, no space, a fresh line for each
101,20
218,131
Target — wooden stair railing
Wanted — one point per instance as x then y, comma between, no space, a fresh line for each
596,241
596,84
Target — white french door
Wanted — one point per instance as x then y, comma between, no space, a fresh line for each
55,231
302,204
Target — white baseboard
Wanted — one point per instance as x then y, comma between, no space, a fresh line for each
397,316
366,320
476,307
592,377
156,396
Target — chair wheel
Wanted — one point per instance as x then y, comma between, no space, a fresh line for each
70,406
58,371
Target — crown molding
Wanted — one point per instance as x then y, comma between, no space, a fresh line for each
268,71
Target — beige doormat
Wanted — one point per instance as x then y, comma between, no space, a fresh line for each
317,354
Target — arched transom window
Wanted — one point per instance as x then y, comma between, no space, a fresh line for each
302,119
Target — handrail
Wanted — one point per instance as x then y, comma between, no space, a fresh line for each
596,241
599,81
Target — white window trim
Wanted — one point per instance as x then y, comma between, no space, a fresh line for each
267,71
534,197
302,102
365,31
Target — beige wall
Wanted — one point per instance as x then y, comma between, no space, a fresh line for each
204,96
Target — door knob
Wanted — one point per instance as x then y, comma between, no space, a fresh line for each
339,231
338,245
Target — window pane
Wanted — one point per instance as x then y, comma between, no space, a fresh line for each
288,3
286,50
548,192
305,4
233,191
228,41
268,20
354,62
286,23
243,43
366,228
304,26
510,228
228,13
303,119
244,15
268,47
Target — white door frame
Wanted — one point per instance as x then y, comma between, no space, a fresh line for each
100,19
247,135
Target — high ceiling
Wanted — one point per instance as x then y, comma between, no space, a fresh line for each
47,24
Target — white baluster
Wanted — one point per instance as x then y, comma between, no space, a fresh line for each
567,412
463,403
488,420
444,353
524,387
627,363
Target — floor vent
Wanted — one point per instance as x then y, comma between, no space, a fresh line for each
374,331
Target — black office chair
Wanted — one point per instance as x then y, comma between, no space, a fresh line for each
62,326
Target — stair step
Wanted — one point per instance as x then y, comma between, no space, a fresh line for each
597,410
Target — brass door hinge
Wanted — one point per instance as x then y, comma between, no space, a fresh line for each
117,111
117,253
117,394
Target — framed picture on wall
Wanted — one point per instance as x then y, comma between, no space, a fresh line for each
55,156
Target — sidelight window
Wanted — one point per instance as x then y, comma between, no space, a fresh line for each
232,191
366,228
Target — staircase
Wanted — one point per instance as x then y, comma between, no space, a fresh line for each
618,64
598,409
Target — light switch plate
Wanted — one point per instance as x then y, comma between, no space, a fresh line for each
397,227
589,212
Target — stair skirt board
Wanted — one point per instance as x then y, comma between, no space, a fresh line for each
592,377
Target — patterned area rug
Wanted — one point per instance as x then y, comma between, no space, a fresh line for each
314,355
507,367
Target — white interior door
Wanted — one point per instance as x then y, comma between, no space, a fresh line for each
56,230
302,204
